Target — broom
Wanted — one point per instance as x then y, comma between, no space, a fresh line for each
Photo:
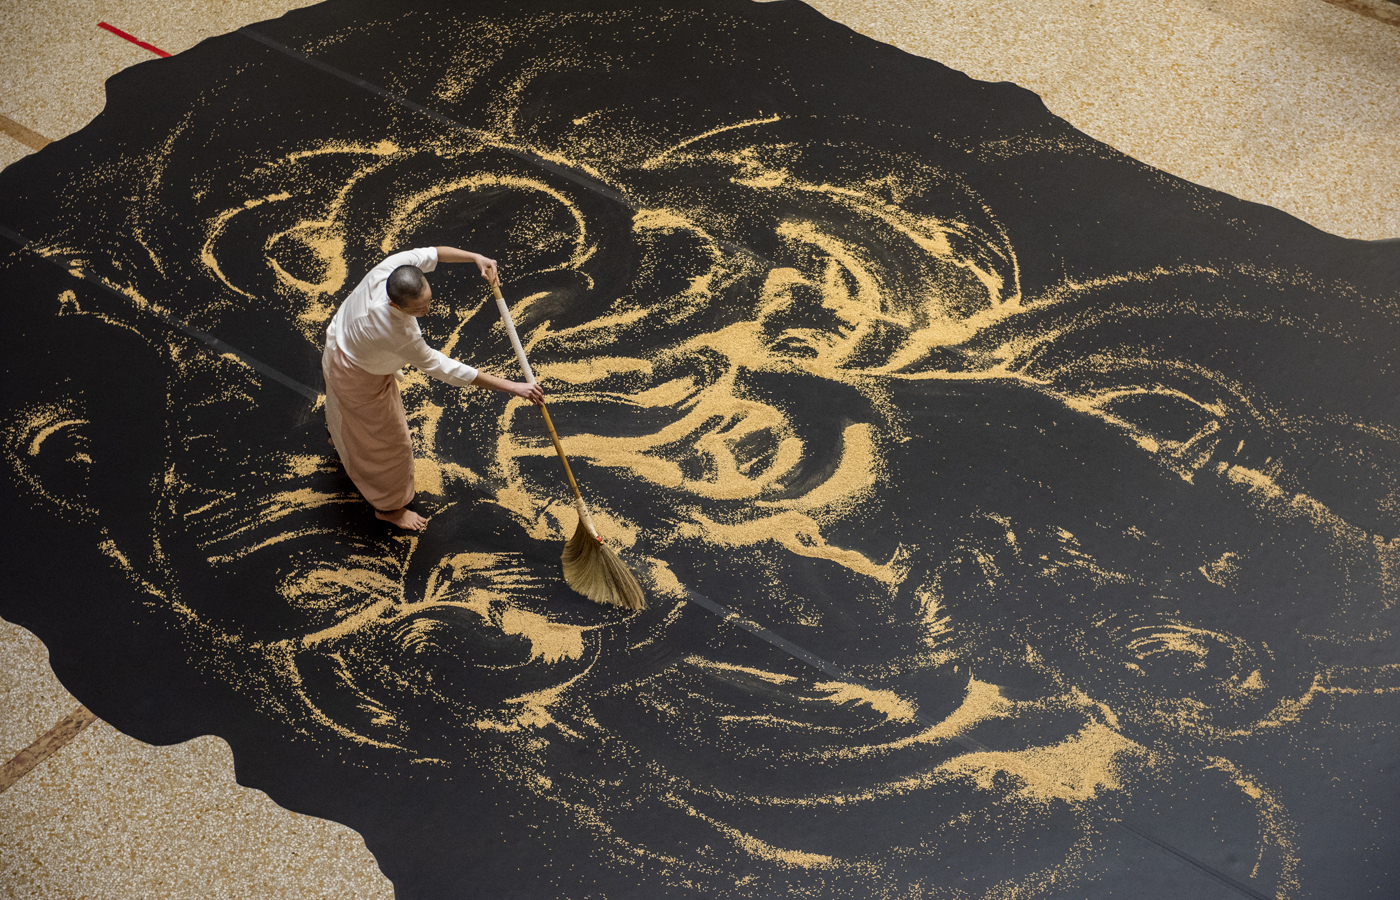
590,566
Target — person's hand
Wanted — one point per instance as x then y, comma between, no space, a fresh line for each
531,392
488,268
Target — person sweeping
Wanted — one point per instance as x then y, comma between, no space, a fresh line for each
373,335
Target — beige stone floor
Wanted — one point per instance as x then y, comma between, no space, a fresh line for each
1292,103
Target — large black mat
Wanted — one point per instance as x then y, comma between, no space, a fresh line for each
1018,521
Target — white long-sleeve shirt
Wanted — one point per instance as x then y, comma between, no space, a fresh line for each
382,339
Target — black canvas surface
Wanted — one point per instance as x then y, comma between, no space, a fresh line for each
1016,520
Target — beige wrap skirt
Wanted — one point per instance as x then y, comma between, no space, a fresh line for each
364,413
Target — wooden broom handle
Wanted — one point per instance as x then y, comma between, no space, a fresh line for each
549,423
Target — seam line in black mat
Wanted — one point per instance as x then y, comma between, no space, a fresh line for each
825,666
835,671
576,177
73,268
604,190
569,174
728,615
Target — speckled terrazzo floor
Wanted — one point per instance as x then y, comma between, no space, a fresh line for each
1291,104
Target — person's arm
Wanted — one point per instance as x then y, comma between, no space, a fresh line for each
519,389
484,263
444,368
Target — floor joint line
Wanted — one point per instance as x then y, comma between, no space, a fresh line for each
26,136
49,743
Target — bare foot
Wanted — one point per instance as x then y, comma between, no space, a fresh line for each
405,518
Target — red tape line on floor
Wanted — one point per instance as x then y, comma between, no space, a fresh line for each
140,43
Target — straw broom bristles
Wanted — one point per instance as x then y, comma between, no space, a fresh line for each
594,570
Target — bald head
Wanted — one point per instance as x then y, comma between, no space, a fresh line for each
406,284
